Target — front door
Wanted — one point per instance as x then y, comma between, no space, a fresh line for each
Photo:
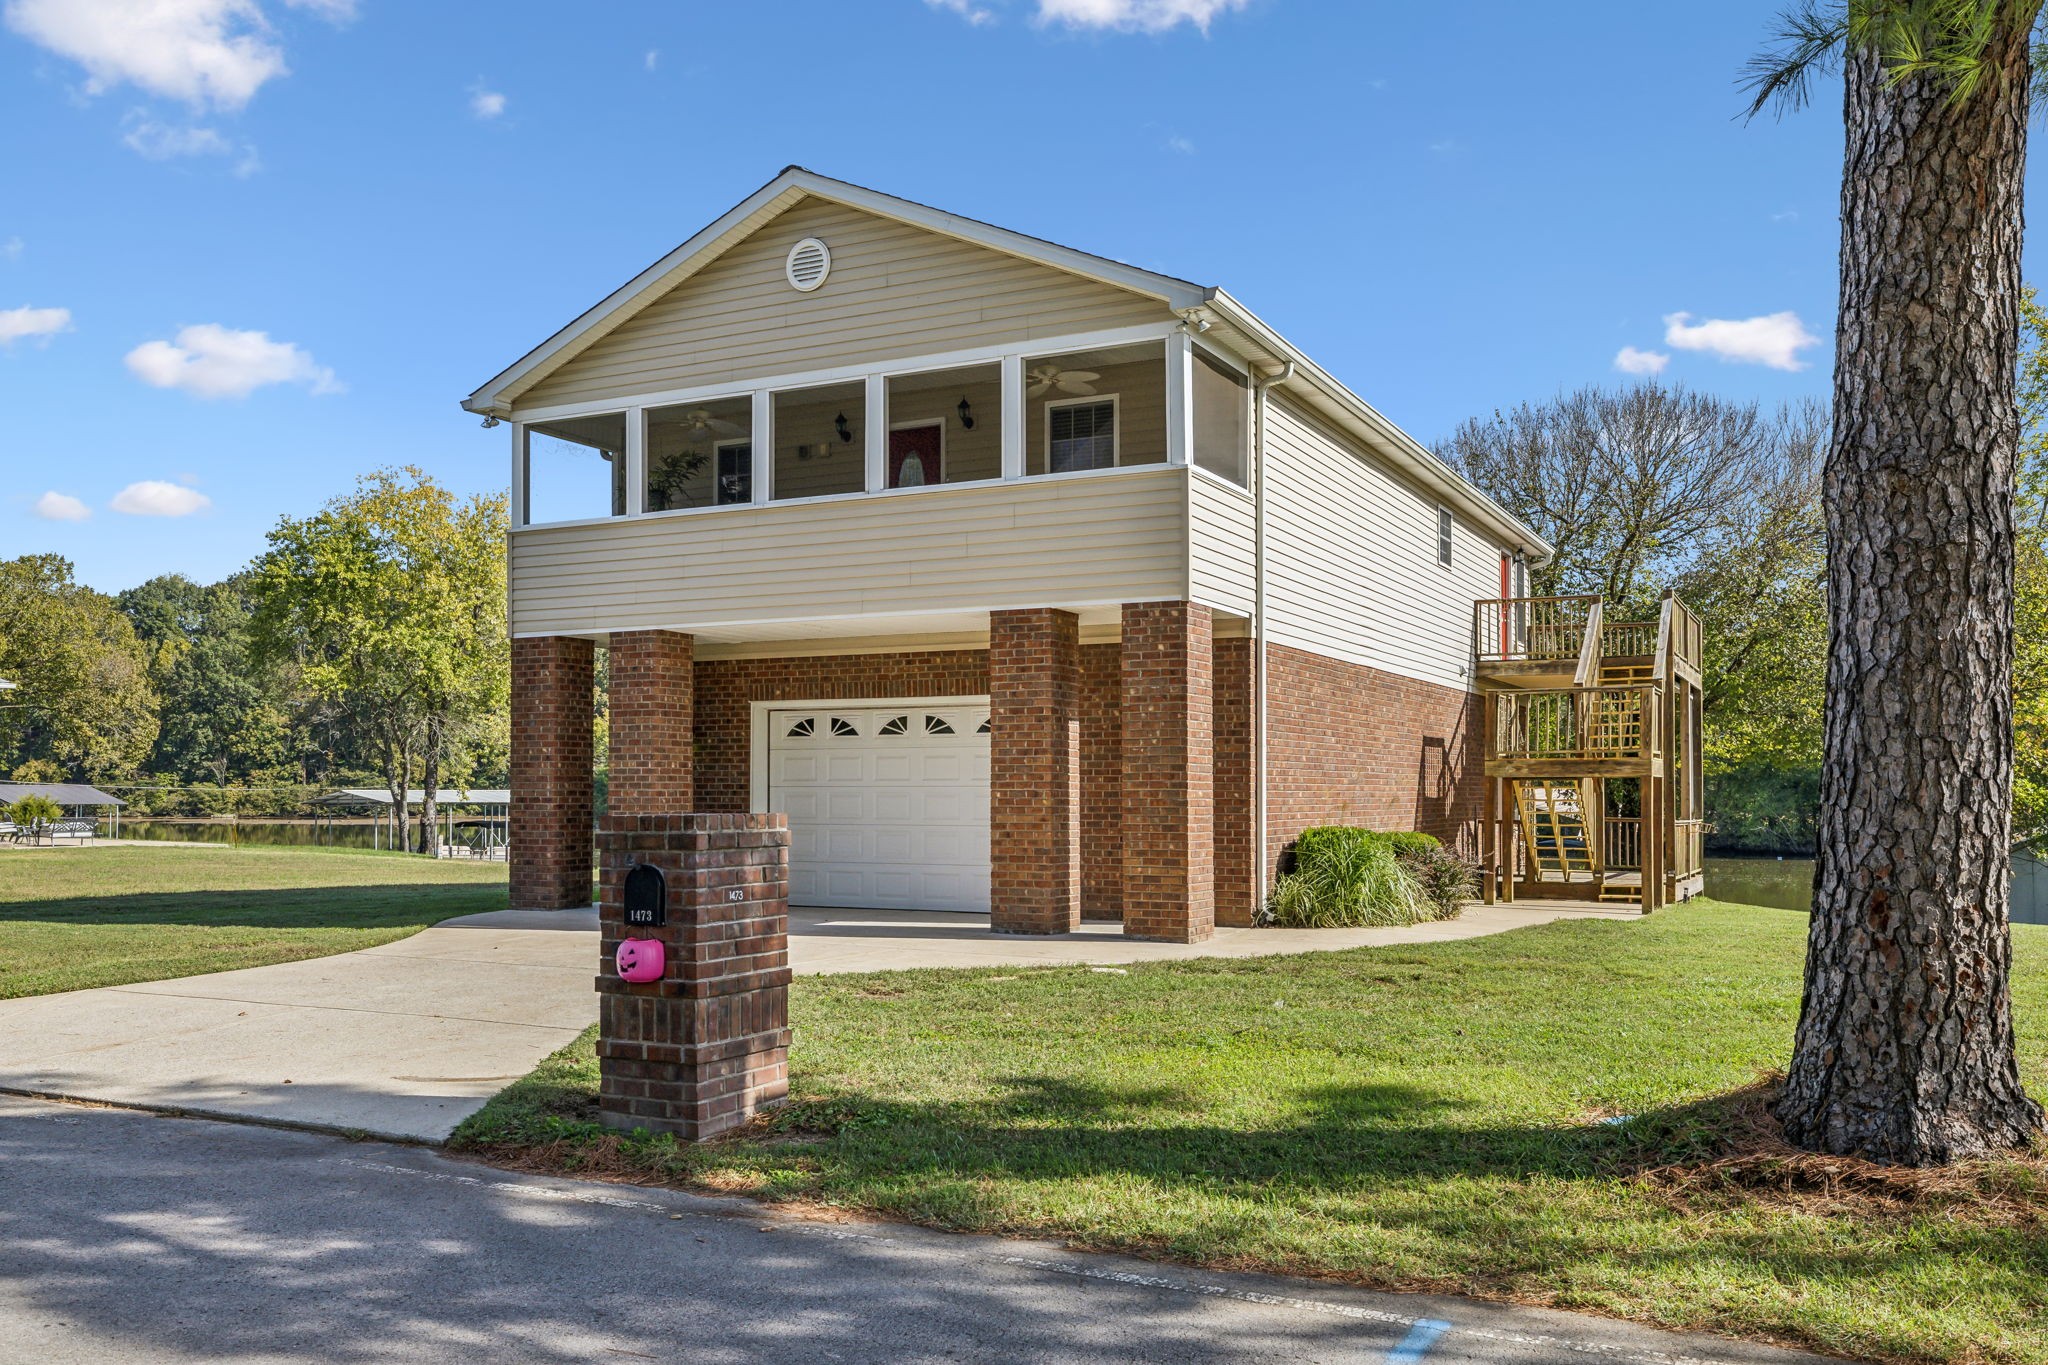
914,455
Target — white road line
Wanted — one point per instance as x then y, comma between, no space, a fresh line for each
1627,1355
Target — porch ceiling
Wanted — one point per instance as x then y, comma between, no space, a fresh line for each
927,630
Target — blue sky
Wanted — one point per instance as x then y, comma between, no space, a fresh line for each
269,244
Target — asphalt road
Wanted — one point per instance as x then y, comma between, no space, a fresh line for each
127,1237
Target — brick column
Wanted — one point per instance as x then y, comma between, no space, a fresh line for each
1034,683
1168,784
550,827
653,715
1239,887
706,1047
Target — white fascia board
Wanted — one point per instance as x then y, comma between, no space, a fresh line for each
779,194
1366,422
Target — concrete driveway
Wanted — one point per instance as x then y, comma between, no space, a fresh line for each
407,1039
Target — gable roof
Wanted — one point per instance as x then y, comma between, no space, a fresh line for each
784,192
1223,318
63,793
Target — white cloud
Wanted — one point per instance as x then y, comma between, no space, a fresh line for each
204,52
486,103
211,361
653,58
1775,339
1177,143
12,248
161,142
147,137
55,506
155,498
1135,16
40,323
1629,360
966,9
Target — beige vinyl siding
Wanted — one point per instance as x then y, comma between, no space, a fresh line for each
894,291
1104,538
1222,546
1351,566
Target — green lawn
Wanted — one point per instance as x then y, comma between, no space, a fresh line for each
77,917
1423,1117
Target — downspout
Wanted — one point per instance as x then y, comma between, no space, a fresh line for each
1259,851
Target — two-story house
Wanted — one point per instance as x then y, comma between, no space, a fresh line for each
1023,580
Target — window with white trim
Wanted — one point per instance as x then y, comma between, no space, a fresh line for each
1443,535
1080,433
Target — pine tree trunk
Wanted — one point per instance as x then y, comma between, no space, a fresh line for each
1905,1049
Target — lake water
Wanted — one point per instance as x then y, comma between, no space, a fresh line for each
1787,884
1784,883
273,833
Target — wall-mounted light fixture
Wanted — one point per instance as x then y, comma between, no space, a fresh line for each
843,427
966,415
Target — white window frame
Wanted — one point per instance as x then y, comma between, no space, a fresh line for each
913,425
1012,358
632,452
1116,429
1446,532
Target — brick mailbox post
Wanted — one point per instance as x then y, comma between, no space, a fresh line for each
704,1047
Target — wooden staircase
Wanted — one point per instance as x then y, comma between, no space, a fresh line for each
1553,820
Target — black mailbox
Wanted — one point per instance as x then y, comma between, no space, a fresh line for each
646,897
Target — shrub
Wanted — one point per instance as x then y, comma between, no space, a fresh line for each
34,810
1342,878
1446,880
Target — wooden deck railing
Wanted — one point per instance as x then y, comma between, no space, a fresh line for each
1506,628
1622,842
1688,848
1625,638
1686,636
1575,723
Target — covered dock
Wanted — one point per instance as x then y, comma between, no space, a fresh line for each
479,832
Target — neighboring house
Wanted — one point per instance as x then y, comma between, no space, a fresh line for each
954,545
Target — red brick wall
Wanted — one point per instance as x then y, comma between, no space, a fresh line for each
1102,777
1034,665
1168,781
1351,745
1237,892
550,828
652,720
727,689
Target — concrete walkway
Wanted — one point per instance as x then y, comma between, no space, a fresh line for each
407,1039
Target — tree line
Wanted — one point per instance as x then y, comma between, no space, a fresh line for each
365,647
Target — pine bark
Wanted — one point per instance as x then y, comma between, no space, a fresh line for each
1905,1050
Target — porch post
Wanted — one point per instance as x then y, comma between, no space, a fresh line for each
653,723
550,824
1034,683
1169,777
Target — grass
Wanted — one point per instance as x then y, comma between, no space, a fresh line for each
109,915
1429,1117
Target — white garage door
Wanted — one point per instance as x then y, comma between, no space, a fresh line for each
887,804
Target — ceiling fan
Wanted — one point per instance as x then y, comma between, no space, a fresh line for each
1050,378
699,423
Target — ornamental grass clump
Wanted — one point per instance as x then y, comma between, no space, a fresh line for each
1345,878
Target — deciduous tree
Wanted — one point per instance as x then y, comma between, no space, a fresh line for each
390,602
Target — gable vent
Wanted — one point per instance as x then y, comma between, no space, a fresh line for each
810,261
